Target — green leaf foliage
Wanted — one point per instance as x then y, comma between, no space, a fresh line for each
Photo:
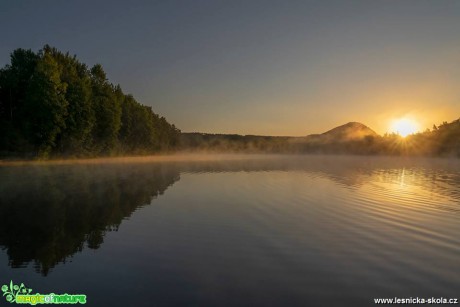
52,105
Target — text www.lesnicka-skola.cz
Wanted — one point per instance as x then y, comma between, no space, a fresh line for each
416,300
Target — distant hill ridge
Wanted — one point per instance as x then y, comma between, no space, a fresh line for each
351,131
347,132
351,138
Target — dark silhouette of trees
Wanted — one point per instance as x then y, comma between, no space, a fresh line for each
77,205
53,105
443,140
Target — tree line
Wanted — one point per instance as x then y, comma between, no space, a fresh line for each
442,140
52,105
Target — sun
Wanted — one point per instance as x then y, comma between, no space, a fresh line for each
404,126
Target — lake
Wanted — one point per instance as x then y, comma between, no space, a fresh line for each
241,230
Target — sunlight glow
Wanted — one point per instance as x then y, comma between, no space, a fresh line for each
404,126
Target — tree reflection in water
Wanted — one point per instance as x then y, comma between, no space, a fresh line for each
48,213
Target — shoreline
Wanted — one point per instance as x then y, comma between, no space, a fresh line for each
206,156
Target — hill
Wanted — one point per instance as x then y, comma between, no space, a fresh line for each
340,139
351,131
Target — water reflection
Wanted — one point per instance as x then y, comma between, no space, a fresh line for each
48,213
438,176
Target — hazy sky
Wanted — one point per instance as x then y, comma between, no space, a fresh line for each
260,67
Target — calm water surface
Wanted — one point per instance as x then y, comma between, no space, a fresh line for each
234,231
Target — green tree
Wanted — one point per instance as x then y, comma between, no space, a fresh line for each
53,105
137,131
80,119
14,82
45,105
107,110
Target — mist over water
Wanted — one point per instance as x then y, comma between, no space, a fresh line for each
242,230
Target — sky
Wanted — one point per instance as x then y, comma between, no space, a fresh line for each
260,67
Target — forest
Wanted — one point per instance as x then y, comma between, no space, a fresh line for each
52,105
352,138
